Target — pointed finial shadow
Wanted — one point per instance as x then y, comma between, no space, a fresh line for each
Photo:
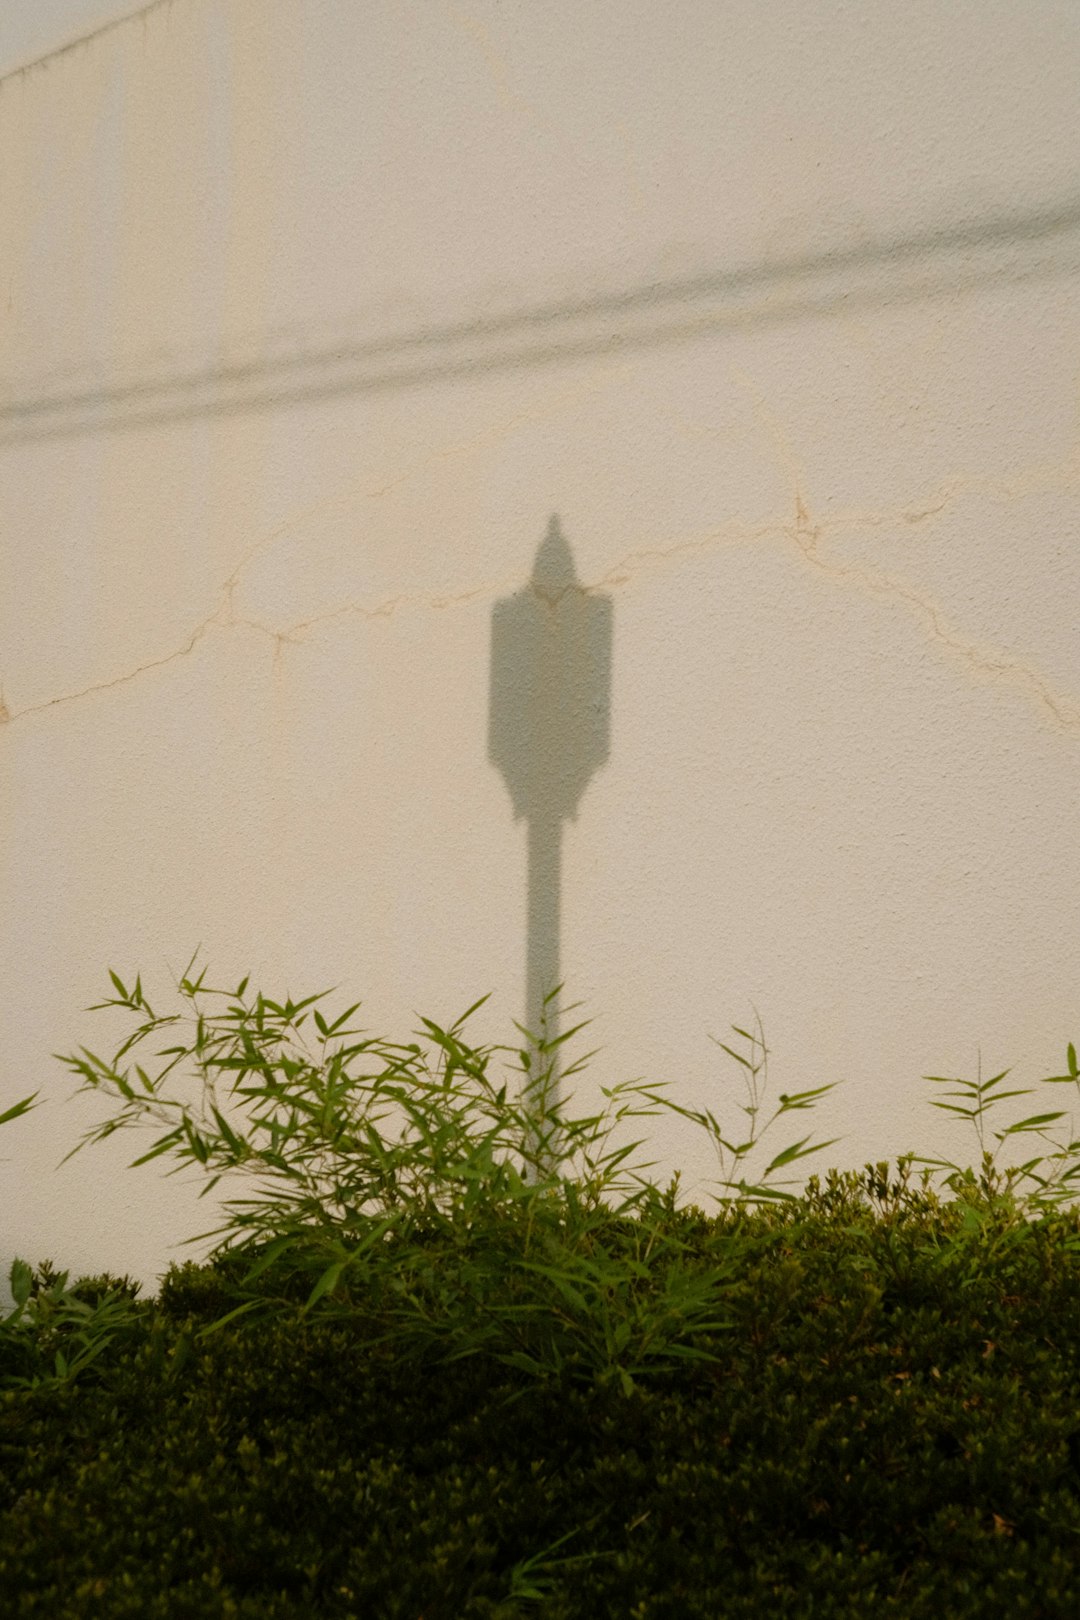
553,566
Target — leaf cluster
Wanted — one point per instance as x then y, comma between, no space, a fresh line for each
1046,1180
448,1194
56,1331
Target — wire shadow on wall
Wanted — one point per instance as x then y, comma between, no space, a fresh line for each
311,361
548,733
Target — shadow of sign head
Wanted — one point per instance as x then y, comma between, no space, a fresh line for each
550,713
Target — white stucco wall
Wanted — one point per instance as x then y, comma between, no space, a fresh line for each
313,314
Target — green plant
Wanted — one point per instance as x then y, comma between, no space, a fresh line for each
22,1107
55,1330
754,1063
1040,1183
443,1192
859,1444
538,1577
638,1409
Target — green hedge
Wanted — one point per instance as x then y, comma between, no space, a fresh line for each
457,1355
889,1425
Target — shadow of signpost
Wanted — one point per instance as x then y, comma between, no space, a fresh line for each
549,729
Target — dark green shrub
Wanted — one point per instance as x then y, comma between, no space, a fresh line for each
890,1420
458,1357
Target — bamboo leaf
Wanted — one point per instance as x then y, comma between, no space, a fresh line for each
162,1145
245,1309
798,1150
1031,1124
239,1148
326,1282
737,1056
802,1099
23,1107
276,1248
21,1279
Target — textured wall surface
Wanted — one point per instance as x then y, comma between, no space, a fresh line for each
315,315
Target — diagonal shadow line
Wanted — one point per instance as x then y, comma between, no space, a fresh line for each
277,383
1038,226
79,41
610,345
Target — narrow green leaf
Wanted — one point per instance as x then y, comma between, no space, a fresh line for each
343,1018
759,1193
239,1148
21,1280
1030,1124
326,1282
277,1247
162,1145
800,1099
799,1150
737,1056
223,1321
467,1014
196,1143
18,1108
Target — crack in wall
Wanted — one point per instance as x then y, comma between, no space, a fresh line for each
806,533
224,618
342,500
498,68
807,536
1063,474
9,717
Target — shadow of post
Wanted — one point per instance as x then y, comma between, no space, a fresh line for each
549,731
